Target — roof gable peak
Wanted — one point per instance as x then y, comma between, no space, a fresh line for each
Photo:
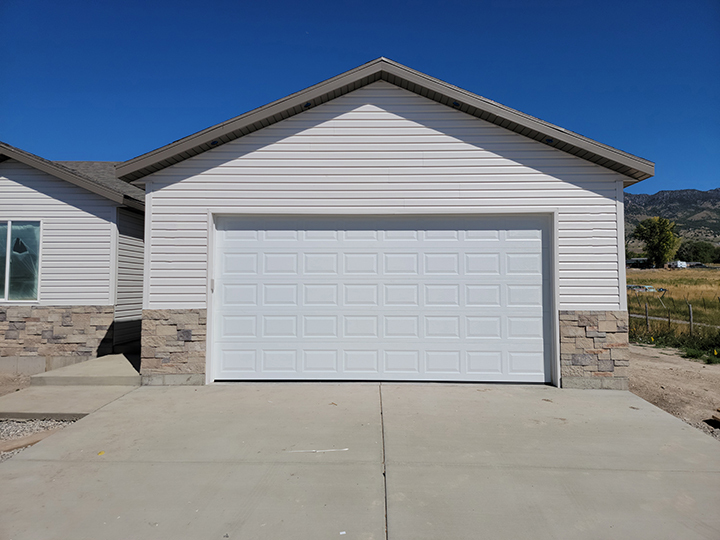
633,167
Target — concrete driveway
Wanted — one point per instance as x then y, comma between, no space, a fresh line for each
352,461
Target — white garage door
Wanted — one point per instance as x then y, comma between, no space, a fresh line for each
367,298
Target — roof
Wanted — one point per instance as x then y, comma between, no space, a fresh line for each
633,167
95,176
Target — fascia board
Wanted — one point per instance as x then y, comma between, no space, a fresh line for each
522,119
376,69
132,203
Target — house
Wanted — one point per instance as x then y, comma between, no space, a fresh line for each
71,261
385,225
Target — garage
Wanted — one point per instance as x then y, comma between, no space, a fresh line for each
434,298
385,225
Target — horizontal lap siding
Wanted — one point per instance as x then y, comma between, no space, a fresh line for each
131,246
380,150
77,228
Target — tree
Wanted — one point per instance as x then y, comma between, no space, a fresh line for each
703,252
661,241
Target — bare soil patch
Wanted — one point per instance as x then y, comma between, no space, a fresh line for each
13,383
685,388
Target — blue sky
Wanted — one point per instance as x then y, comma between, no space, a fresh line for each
109,80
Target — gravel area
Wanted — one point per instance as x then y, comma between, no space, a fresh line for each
15,429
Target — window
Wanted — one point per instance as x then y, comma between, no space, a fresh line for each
19,260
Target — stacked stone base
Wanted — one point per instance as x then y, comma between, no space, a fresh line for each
594,349
173,346
35,339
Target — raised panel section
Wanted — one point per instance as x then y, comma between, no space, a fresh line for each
240,295
442,295
524,263
525,327
280,294
280,263
240,263
447,362
442,264
402,361
399,326
484,327
442,327
279,361
482,295
482,263
239,326
359,361
279,326
239,361
484,362
401,295
401,263
320,263
360,326
423,298
324,326
524,295
320,294
325,361
361,263
361,294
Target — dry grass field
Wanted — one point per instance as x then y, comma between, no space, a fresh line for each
698,287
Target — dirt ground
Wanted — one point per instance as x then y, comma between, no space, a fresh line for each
685,388
13,383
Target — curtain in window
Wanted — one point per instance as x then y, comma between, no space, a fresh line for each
24,260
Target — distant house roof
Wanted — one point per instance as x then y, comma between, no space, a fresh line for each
95,176
635,168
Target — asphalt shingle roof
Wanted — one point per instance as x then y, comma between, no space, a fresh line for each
103,172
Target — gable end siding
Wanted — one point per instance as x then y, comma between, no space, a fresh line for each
384,150
77,228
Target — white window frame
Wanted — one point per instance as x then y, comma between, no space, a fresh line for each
4,299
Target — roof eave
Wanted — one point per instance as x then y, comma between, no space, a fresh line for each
633,167
63,173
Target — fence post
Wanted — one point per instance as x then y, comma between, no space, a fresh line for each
647,317
691,318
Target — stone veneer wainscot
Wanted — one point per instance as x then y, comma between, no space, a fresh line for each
173,346
594,349
35,339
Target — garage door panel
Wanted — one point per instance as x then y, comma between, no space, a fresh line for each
354,361
381,298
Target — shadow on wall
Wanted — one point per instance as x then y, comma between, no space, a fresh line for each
524,156
36,339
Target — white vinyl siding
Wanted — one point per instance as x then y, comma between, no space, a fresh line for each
77,228
383,150
130,265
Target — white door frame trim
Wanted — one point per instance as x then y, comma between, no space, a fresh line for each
551,215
